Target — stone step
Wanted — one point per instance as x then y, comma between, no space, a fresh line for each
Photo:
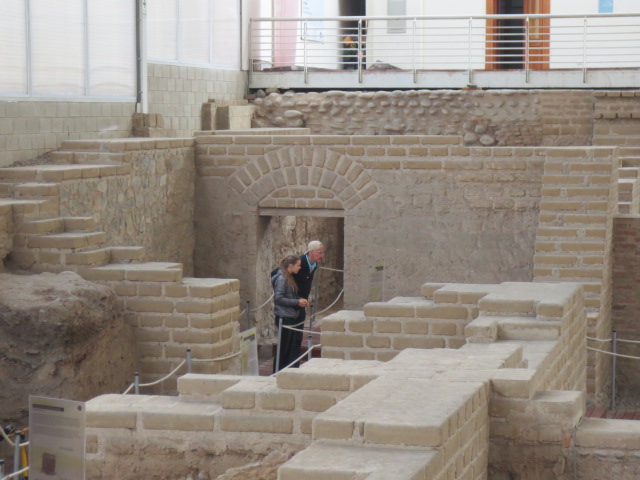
626,188
629,172
518,328
36,190
73,241
7,189
126,254
58,173
625,208
87,158
630,161
58,225
323,461
27,210
84,145
135,272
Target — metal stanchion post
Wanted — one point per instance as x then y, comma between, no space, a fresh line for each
1,466
188,360
16,453
248,314
136,383
277,360
312,316
614,349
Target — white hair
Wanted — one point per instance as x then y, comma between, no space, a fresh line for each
314,245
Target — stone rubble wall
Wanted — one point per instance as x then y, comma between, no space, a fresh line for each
492,117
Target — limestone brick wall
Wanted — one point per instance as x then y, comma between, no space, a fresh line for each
574,238
425,208
626,301
617,104
446,413
495,117
152,206
178,92
31,128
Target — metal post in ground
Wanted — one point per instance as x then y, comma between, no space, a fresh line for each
277,360
312,316
136,382
16,453
614,349
188,360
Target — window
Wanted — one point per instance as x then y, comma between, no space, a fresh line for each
396,7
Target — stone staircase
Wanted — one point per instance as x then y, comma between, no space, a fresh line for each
154,295
629,173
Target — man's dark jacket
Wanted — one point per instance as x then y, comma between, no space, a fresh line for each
304,277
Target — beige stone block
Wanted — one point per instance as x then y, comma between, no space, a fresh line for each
516,383
306,426
361,325
197,384
333,324
275,400
361,356
387,326
442,311
231,422
158,306
317,402
173,420
331,339
332,429
376,341
105,417
415,327
298,379
238,397
194,307
401,343
437,328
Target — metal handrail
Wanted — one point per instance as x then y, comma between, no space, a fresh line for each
467,44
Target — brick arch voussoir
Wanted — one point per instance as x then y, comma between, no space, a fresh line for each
289,175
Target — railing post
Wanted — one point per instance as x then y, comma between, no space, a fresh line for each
136,383
360,50
306,67
413,50
584,52
277,360
470,72
312,316
526,50
188,360
614,350
16,453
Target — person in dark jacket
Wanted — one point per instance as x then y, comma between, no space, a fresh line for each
286,306
308,266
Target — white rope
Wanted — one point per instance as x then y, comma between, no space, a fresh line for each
331,269
298,359
258,308
16,474
160,380
243,312
297,329
218,359
334,302
613,354
599,339
4,435
627,341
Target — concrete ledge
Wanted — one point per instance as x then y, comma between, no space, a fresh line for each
606,434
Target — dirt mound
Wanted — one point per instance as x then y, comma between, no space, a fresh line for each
62,337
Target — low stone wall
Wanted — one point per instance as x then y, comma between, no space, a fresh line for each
452,413
491,117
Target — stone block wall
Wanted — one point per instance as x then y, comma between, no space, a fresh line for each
30,128
444,413
152,206
574,239
178,93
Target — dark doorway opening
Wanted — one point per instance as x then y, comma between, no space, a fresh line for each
511,38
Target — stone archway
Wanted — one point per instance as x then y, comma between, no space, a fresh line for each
303,177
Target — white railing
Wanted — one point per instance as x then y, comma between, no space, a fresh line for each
360,46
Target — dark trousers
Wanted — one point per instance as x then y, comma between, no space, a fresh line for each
290,341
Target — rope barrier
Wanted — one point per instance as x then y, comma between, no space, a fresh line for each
613,354
157,381
217,359
331,269
297,359
627,341
16,474
600,339
4,435
258,308
334,302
